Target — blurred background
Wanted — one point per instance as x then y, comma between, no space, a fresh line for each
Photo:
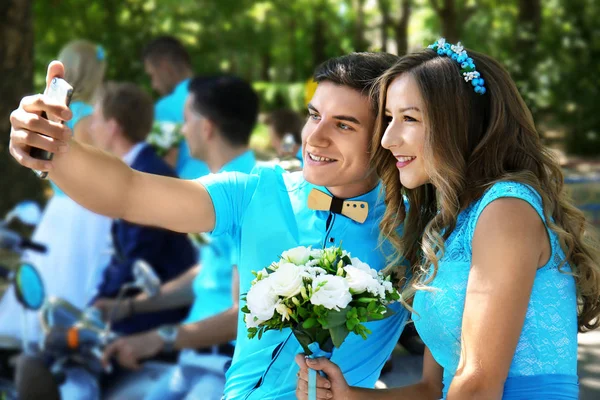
551,48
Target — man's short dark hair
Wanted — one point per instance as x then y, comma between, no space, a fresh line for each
130,106
359,71
230,103
169,48
286,121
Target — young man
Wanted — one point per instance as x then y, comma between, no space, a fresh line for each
169,67
265,213
220,114
119,125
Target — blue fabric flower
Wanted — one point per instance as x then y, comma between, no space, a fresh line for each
100,54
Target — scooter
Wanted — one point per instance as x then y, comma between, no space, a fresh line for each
29,290
26,283
75,338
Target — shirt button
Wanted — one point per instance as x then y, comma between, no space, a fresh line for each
331,240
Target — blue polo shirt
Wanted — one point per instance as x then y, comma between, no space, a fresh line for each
170,109
212,285
265,213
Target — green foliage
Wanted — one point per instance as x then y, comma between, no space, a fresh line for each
277,44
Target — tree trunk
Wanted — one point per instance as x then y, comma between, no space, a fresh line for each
16,69
401,28
452,18
529,23
318,44
386,22
360,43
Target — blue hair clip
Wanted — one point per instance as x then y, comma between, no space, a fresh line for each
467,67
100,55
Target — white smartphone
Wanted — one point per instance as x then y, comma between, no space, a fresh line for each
61,92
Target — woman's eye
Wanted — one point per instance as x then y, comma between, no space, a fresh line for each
387,120
314,117
409,119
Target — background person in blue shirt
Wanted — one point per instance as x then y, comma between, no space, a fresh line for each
266,213
220,115
169,67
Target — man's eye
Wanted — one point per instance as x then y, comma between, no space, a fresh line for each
344,126
314,117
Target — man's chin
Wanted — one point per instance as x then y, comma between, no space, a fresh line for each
319,179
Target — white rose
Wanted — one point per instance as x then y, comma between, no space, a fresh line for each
298,255
287,280
360,280
333,295
261,301
363,266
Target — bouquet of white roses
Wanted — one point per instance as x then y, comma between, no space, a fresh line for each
164,136
322,295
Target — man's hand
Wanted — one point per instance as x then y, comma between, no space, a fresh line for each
29,129
130,350
108,310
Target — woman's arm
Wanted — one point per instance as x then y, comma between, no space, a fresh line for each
509,244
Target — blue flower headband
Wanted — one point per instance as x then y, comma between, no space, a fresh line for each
467,67
100,55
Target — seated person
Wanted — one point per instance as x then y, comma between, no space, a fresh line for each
120,123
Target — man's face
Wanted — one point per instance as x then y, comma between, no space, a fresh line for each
101,130
159,75
336,140
193,129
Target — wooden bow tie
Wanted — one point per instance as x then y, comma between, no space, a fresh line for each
355,210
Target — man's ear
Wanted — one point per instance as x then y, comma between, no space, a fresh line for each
114,129
209,129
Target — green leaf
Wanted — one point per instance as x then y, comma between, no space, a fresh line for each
338,335
246,310
336,318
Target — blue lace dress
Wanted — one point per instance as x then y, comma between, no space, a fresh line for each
544,365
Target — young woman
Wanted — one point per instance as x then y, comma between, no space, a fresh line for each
504,271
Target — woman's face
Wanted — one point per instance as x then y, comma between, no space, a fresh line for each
405,134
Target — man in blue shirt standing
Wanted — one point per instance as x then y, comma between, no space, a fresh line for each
220,114
169,67
265,213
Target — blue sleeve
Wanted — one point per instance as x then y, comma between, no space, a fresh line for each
513,190
230,193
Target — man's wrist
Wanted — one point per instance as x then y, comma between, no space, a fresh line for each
168,336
